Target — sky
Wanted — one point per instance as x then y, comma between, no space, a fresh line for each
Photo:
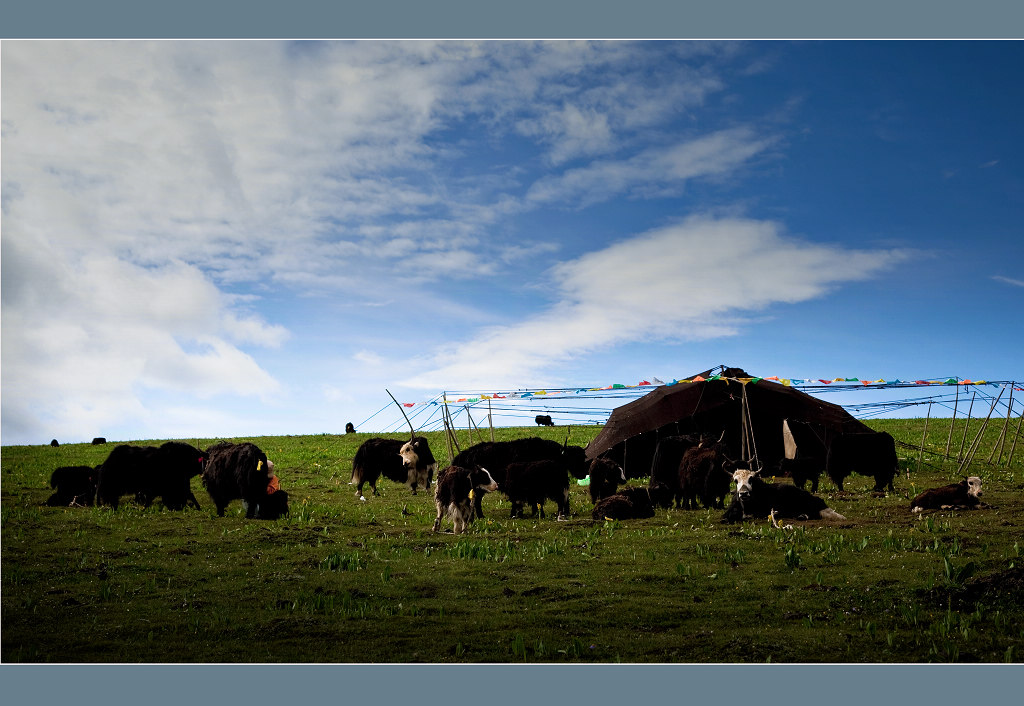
243,238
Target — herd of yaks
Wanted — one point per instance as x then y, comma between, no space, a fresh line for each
527,471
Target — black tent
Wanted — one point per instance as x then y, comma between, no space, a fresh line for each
749,410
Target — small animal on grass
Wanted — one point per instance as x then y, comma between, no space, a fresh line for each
98,440
237,472
75,486
274,504
544,420
456,489
632,503
350,429
409,462
869,454
756,498
605,477
532,483
964,495
150,472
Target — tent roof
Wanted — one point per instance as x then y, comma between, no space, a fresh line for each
708,400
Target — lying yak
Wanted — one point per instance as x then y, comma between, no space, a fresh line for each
237,472
632,503
149,472
75,486
409,462
755,498
456,490
960,496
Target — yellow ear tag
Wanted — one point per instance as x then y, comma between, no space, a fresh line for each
470,493
259,465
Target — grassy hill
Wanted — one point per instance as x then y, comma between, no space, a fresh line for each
347,581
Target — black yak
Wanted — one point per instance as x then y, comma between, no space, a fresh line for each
802,470
98,440
456,490
702,475
54,443
869,454
665,467
755,498
149,472
75,485
237,472
350,429
495,456
963,495
409,462
605,477
544,420
532,483
628,504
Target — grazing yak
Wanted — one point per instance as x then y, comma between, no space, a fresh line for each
958,496
801,470
869,454
350,429
755,498
704,473
605,478
54,443
238,472
497,455
98,440
456,490
532,483
75,485
544,420
628,504
150,472
409,462
665,467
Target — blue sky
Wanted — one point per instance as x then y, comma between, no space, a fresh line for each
216,239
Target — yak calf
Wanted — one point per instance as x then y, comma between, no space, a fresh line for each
963,495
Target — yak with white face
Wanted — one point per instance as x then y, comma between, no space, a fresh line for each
755,498
963,495
419,463
408,462
456,490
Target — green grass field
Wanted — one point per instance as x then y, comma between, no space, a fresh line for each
347,581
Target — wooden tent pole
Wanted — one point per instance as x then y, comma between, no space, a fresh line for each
1002,434
977,440
924,437
1013,446
960,454
490,420
447,432
952,421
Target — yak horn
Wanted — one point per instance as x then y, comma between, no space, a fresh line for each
721,437
412,432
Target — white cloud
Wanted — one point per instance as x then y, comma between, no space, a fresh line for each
694,280
1008,280
654,171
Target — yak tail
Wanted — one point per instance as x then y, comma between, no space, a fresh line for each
830,514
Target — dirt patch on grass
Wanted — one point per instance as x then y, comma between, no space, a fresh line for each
999,587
